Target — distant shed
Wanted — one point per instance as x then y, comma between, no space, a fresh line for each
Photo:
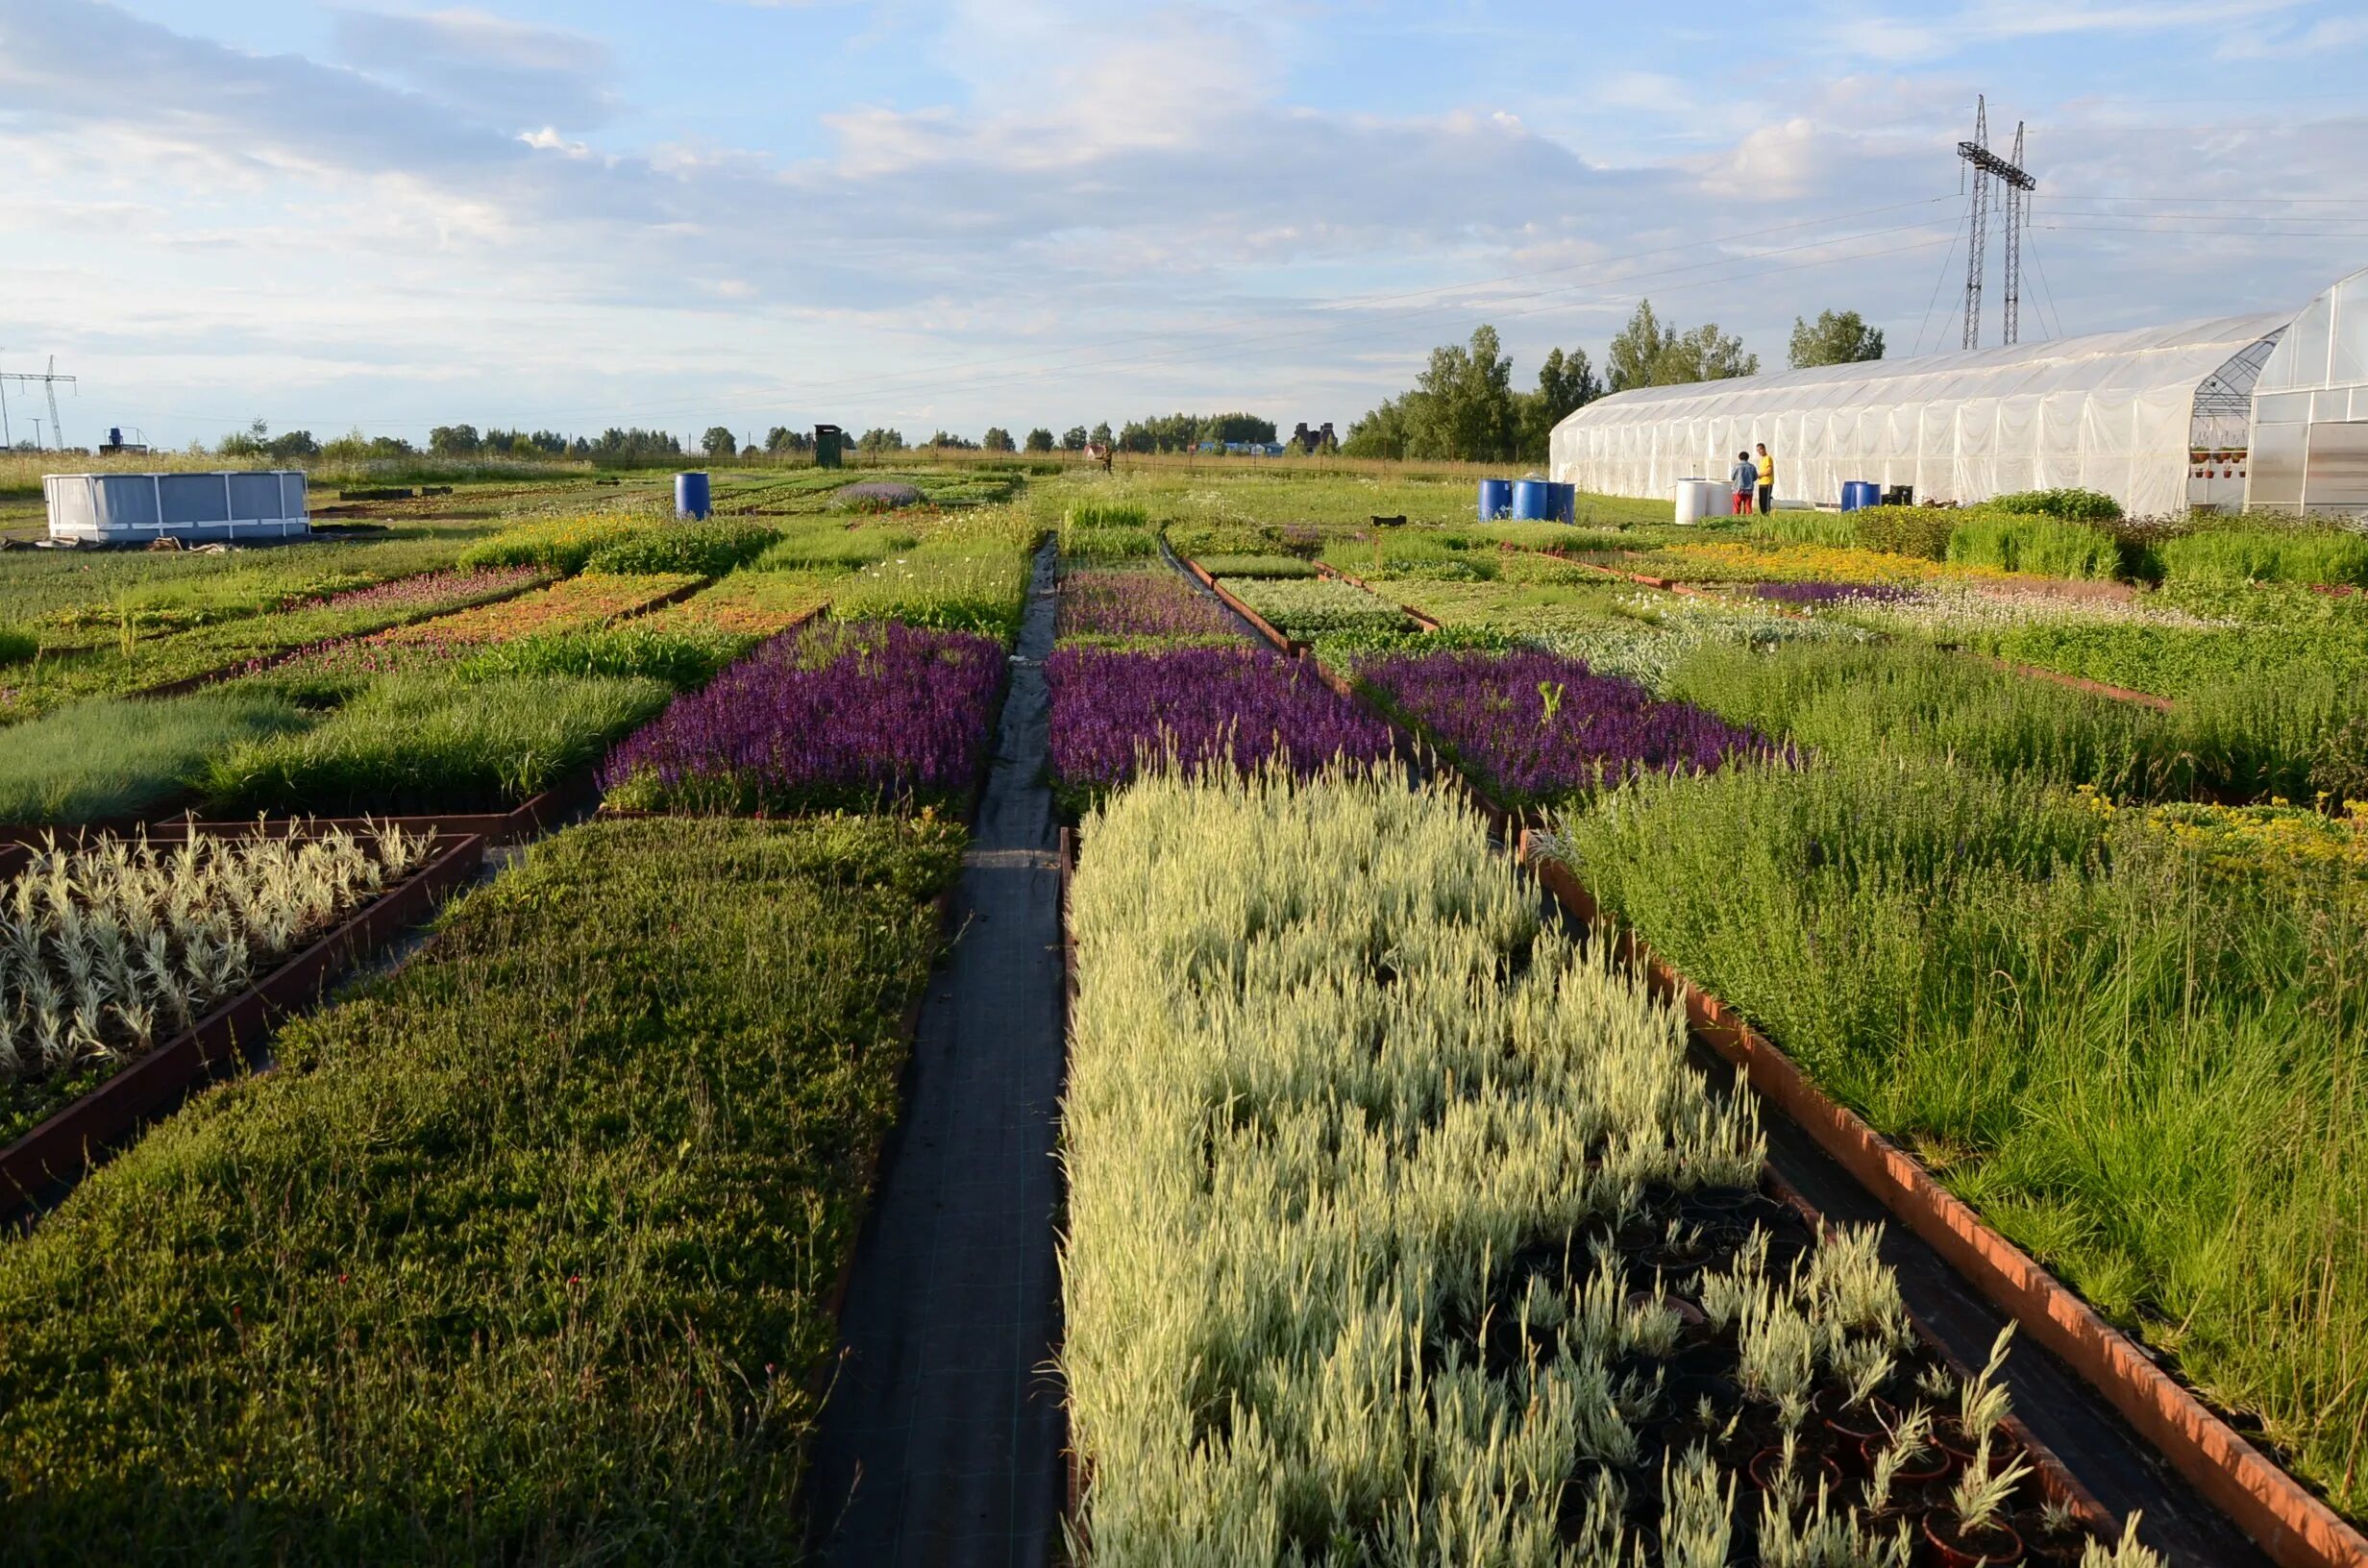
138,508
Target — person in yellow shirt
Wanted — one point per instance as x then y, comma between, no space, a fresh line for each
1767,479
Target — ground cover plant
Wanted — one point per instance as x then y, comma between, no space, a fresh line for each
1255,566
1400,1231
577,603
1309,609
1537,727
1115,711
1139,605
59,591
560,544
1730,560
970,573
110,949
760,603
137,661
836,547
685,656
863,714
119,757
553,1218
2135,1054
1423,554
433,741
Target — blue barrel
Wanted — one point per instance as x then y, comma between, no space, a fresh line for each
1495,498
1533,500
1565,503
691,494
1858,494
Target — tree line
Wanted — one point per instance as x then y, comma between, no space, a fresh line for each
1463,405
1159,432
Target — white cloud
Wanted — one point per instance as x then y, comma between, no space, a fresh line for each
485,65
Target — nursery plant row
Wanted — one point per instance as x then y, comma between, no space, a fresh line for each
1879,883
1401,1230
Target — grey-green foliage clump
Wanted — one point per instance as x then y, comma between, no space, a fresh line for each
1328,1076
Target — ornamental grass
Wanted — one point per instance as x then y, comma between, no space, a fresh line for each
835,715
1240,706
1539,727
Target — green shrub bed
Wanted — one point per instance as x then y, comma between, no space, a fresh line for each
431,742
522,1255
121,757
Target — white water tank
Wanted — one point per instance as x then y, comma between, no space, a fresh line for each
134,508
1698,499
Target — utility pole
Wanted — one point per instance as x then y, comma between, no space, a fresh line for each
2008,172
49,384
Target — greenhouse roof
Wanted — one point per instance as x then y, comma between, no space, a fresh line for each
2180,355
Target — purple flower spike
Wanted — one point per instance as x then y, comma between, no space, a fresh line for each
1539,727
831,715
1238,705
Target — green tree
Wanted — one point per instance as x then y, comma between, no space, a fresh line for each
878,439
998,439
780,441
1837,337
1461,406
1565,383
1380,433
1649,353
1101,434
718,442
454,441
1072,439
290,445
1039,439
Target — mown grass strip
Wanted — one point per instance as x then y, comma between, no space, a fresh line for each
523,1254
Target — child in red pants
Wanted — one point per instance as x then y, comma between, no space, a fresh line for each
1745,481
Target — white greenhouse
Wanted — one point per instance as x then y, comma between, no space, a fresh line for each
2164,419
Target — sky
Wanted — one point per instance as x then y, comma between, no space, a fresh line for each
952,214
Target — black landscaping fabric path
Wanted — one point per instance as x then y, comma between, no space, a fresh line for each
941,1440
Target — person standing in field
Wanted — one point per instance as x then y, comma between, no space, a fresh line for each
1746,478
1767,479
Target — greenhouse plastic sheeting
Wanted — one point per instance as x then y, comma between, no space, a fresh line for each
2111,413
2311,409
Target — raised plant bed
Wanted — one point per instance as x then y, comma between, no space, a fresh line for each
57,1151
1257,623
2292,1524
1426,623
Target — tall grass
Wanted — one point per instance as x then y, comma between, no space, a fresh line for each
432,742
115,757
2146,1069
2043,546
2294,553
523,1254
1836,531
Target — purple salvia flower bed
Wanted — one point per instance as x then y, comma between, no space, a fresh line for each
1492,711
1138,604
834,714
1238,705
1832,593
